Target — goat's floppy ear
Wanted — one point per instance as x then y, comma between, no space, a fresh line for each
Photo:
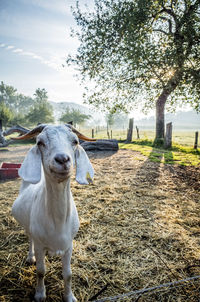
84,169
30,170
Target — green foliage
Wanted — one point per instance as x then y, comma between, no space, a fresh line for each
73,115
109,119
40,113
6,114
8,95
158,142
19,109
135,50
40,95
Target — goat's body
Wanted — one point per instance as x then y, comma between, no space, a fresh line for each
45,206
49,216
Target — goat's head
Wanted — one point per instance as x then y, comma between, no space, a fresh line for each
58,149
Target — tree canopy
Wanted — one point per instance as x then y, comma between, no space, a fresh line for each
73,115
42,111
142,52
17,108
5,114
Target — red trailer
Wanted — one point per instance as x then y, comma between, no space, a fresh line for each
9,171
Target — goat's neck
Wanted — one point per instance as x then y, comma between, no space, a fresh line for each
58,201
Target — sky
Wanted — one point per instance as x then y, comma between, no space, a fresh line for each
34,44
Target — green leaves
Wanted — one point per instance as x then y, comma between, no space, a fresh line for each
132,49
74,115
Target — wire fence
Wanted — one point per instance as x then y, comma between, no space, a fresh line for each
168,285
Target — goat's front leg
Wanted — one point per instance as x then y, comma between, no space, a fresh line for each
31,254
67,275
40,293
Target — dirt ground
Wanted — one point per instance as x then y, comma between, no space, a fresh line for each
140,227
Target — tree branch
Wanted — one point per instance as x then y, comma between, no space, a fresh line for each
171,13
162,31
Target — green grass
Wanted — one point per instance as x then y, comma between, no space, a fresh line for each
178,154
184,138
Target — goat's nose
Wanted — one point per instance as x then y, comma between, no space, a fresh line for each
61,158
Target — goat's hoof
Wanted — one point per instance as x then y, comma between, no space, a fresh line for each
69,298
40,297
31,260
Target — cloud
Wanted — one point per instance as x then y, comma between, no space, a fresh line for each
55,62
10,47
17,50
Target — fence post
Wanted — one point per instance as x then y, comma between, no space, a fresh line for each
168,136
130,131
92,133
138,135
196,140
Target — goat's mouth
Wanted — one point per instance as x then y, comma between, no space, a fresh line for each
61,174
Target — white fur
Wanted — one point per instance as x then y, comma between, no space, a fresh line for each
45,206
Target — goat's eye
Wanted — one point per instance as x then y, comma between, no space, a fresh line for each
40,143
75,142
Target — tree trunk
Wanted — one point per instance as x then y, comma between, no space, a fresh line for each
101,145
160,115
161,101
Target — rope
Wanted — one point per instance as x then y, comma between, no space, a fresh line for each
145,290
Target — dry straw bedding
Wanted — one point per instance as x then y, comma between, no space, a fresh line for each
140,227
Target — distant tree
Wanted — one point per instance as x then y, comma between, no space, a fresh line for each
17,103
6,114
41,95
109,119
23,103
121,120
8,95
74,115
40,113
19,119
142,52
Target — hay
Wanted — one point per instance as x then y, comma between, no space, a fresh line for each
140,227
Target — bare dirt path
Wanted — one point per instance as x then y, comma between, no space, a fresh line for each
140,227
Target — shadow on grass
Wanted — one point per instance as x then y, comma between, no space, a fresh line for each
157,154
164,156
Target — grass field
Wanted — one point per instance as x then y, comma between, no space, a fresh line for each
185,138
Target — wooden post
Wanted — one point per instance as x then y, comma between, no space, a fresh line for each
130,131
138,135
92,133
168,136
196,140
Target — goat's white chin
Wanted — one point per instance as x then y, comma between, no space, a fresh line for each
60,175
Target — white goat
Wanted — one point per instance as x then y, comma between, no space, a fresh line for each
45,206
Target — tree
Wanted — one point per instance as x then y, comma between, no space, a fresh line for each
8,95
40,113
73,115
41,95
6,114
109,119
142,52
